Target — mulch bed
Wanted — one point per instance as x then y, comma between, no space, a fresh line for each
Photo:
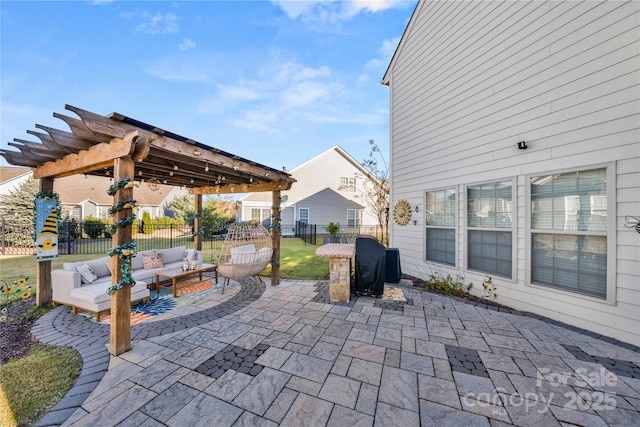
15,332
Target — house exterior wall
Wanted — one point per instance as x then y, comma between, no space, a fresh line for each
472,79
315,176
12,184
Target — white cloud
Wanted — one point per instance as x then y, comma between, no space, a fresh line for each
334,10
280,98
159,24
187,44
386,52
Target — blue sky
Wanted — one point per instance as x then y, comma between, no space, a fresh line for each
277,82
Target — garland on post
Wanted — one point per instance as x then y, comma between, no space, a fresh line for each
121,183
122,223
127,204
276,219
126,250
124,253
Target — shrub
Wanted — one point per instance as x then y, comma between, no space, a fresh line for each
333,228
442,283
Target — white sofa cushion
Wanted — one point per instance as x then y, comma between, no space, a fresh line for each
87,295
172,254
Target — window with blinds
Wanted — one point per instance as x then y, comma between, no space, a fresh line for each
490,228
569,231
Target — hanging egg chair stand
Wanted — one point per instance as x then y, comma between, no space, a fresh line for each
246,251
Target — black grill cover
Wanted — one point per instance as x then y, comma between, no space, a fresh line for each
370,266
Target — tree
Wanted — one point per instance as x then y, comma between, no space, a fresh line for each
376,192
19,204
183,206
216,212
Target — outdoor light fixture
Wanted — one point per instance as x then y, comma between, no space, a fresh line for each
192,181
175,167
196,152
250,178
416,208
522,145
206,166
170,173
153,184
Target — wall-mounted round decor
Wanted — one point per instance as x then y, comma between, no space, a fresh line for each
402,212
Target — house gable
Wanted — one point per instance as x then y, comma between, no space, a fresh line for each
318,174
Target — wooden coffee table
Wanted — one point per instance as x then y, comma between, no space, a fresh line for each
177,274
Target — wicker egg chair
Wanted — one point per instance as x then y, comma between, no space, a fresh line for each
246,251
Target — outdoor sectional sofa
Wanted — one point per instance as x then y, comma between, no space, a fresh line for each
83,285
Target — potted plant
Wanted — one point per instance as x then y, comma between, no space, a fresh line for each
333,228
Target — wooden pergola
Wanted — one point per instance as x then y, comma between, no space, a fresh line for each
124,148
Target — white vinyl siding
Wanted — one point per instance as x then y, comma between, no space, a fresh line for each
569,231
472,79
440,221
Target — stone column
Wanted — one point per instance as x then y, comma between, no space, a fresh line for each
340,255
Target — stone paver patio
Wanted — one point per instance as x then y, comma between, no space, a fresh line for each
282,355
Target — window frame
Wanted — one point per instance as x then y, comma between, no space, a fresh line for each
456,243
610,234
513,229
308,214
357,218
349,185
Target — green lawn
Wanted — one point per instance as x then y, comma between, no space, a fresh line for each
296,262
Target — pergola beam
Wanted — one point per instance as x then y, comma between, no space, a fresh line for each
97,157
243,188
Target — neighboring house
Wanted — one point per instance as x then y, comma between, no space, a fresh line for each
474,83
328,188
11,178
84,195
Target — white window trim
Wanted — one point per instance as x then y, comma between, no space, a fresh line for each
611,234
358,218
456,258
308,214
514,229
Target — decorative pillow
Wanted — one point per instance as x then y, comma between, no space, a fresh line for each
88,276
151,261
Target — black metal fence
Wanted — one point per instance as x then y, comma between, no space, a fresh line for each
88,238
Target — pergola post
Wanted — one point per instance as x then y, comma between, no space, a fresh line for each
275,237
197,223
120,338
43,273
